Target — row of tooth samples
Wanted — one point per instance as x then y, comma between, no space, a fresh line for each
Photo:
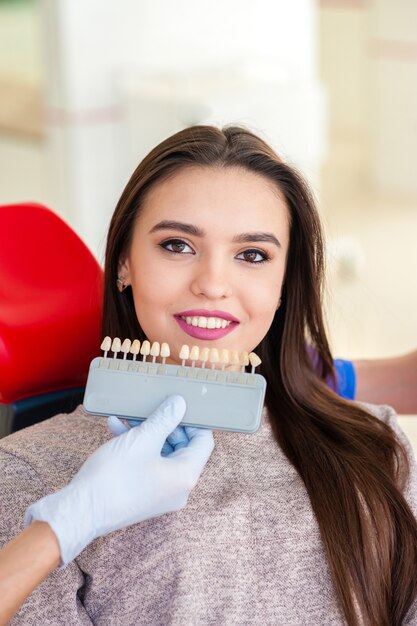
213,356
205,355
135,348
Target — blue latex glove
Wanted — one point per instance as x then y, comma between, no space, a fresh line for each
176,440
126,481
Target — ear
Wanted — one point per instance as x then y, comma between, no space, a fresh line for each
123,270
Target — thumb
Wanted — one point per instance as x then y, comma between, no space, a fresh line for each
160,424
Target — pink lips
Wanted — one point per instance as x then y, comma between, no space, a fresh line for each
205,334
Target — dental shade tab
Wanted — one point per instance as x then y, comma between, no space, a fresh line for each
216,398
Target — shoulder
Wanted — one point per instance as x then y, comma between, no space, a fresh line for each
44,457
388,415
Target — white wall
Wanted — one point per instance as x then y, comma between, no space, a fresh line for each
394,124
95,48
369,59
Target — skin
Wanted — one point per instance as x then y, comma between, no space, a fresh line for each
389,381
24,563
210,271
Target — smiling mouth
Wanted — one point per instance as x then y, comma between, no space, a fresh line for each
201,321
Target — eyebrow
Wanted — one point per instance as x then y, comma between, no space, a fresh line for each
190,229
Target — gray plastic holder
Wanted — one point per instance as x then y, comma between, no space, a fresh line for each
216,399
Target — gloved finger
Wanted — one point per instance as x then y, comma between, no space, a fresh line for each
116,426
163,421
190,430
198,451
167,449
134,423
178,438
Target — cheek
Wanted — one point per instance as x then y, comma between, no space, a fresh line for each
152,284
153,294
264,297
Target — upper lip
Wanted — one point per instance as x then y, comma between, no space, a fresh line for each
204,313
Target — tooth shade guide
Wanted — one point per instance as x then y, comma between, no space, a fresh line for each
165,352
254,361
204,356
115,346
224,358
116,384
243,361
134,348
194,354
145,349
125,348
234,357
155,350
106,345
228,360
184,354
214,357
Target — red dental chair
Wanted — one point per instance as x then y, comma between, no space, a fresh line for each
50,315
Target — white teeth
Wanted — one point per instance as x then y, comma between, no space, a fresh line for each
135,347
106,345
165,352
206,322
146,348
212,356
234,357
116,345
204,355
194,354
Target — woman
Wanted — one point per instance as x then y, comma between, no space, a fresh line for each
311,520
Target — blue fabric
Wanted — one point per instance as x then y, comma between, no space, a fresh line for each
345,375
345,378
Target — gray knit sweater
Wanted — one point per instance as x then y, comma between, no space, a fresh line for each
246,550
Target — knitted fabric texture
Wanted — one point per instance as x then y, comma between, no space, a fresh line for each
246,550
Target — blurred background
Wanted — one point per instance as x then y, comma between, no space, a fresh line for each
87,87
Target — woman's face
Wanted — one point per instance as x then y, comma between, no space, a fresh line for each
207,259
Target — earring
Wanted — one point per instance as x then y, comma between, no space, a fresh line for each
120,284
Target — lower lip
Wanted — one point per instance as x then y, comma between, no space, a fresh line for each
204,333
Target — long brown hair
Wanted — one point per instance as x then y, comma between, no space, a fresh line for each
352,465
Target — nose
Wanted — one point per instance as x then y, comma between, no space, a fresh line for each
212,279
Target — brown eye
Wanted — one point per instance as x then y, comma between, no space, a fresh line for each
254,257
250,255
176,246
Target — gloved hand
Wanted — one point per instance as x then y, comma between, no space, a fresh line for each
176,440
126,481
